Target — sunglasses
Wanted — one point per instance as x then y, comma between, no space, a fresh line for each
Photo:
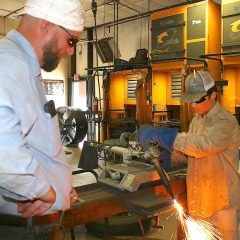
72,40
202,99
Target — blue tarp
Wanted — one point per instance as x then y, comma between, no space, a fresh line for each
163,136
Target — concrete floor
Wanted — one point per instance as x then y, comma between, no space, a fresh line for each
168,223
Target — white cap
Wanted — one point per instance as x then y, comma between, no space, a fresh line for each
69,14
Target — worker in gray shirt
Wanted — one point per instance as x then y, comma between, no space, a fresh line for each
211,149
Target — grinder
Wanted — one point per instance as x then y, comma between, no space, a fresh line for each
155,154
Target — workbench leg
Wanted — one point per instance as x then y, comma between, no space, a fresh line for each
106,222
141,225
157,221
72,234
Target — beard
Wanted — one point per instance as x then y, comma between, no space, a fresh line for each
50,58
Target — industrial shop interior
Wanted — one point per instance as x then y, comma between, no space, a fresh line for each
145,159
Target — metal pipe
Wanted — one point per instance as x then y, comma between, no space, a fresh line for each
180,58
131,18
217,59
212,55
129,7
220,54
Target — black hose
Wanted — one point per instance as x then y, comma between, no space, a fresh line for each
163,176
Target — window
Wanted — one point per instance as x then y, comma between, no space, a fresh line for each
54,90
53,87
79,95
176,88
131,87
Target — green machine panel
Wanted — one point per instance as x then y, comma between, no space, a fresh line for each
231,9
231,26
196,20
167,37
231,31
194,50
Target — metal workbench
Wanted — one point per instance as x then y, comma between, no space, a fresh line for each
97,201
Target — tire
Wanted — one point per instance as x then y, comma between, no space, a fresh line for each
73,126
78,120
119,225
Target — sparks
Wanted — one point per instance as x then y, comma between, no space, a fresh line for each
196,229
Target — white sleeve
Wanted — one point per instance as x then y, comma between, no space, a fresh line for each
20,173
